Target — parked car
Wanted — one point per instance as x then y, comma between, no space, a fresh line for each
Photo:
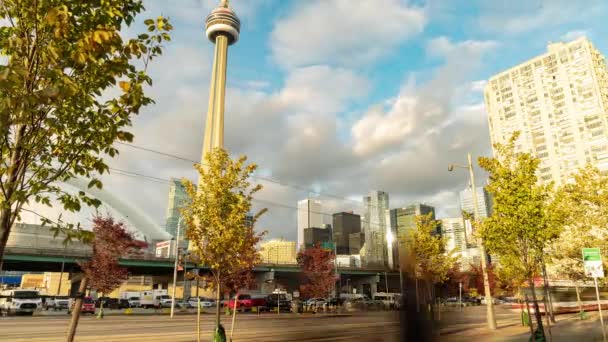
452,301
88,306
205,302
494,301
246,302
472,301
57,303
108,303
280,300
183,304
316,302
123,304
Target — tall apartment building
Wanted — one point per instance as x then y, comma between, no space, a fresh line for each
309,216
177,199
374,227
278,252
345,224
559,103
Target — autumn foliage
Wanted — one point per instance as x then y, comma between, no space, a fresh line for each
112,241
317,265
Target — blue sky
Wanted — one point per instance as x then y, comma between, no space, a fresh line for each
341,96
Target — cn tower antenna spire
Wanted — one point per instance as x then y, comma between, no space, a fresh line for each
222,28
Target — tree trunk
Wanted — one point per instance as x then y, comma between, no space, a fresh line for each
7,216
548,320
5,230
529,318
218,305
417,296
539,320
547,293
578,300
76,309
236,304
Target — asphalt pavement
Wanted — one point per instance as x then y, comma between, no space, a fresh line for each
249,327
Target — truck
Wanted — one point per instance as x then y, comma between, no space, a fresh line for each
155,299
20,301
133,297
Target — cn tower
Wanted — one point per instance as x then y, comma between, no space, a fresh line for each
222,28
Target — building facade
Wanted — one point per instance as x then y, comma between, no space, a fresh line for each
403,221
314,235
178,198
453,230
373,227
278,252
559,103
345,224
484,202
309,215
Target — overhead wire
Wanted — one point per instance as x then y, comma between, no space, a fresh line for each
262,178
276,204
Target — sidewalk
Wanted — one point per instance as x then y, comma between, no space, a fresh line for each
567,328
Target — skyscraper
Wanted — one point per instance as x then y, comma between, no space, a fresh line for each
403,220
559,103
374,227
484,202
309,216
453,230
314,236
467,205
222,29
345,224
177,199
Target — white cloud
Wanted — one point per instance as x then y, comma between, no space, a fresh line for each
519,16
195,11
419,110
343,31
572,35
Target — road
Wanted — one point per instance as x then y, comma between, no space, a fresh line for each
148,326
249,327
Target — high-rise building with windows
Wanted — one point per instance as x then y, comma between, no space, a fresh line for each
320,236
345,224
309,216
558,101
374,227
453,230
484,202
403,220
178,199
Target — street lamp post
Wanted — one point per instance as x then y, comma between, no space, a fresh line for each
179,225
484,258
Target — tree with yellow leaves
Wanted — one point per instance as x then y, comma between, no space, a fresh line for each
223,237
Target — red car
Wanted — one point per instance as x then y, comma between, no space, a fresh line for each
246,302
88,306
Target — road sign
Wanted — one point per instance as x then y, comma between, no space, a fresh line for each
592,260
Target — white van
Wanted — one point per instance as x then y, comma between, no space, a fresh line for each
19,301
390,300
155,299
